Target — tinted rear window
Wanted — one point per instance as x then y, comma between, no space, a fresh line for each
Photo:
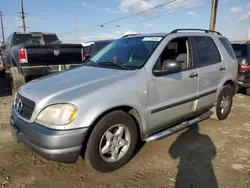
240,50
50,38
33,39
225,42
207,51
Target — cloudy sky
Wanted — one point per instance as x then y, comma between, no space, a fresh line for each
100,19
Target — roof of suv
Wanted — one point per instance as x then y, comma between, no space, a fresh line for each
202,32
39,33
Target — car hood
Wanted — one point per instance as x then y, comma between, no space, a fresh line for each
76,79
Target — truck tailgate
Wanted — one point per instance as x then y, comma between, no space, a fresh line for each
53,54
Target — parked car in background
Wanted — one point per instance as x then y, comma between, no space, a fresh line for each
28,55
242,51
138,88
92,47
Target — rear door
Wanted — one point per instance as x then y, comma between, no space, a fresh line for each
211,70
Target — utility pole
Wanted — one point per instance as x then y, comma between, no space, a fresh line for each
22,16
75,29
213,14
1,17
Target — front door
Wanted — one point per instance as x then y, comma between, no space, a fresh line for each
173,96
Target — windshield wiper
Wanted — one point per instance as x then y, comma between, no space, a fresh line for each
90,62
113,64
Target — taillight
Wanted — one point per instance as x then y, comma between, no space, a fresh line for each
241,79
23,56
245,67
83,54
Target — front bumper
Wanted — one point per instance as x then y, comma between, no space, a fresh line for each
44,69
61,146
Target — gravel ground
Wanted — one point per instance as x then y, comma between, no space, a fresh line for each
211,154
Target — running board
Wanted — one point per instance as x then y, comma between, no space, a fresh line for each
179,127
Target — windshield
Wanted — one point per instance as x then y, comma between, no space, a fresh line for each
132,52
33,39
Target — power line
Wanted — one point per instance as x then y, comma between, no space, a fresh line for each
118,26
121,25
125,17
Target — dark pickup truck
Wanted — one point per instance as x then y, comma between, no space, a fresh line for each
29,55
242,51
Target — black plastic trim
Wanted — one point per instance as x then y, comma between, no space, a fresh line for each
183,101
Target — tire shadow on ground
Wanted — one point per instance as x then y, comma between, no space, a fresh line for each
5,86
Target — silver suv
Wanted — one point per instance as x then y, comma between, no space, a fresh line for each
138,88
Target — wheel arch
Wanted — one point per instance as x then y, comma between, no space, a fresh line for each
128,109
233,84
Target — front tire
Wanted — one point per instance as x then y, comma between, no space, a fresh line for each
112,142
17,79
224,103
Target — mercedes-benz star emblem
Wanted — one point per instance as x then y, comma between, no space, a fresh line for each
19,105
56,52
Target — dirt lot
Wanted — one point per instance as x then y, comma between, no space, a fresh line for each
211,154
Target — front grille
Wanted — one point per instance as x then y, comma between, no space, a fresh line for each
24,107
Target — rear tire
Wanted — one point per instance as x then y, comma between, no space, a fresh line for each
17,79
99,154
248,91
224,104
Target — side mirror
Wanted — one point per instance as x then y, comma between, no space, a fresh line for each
168,67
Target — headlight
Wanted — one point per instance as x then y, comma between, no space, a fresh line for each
57,114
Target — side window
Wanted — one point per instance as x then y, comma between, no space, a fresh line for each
8,42
225,42
207,51
177,49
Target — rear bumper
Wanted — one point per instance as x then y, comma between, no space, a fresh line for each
244,80
62,146
44,69
244,84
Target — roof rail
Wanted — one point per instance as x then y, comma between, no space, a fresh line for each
205,30
128,35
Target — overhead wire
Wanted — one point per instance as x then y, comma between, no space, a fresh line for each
125,17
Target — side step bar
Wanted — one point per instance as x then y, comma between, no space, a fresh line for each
179,127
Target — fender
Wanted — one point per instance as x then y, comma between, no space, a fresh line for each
101,106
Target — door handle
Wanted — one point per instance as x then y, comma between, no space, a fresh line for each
193,75
222,68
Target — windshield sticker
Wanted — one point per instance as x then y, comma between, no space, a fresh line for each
87,43
152,39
